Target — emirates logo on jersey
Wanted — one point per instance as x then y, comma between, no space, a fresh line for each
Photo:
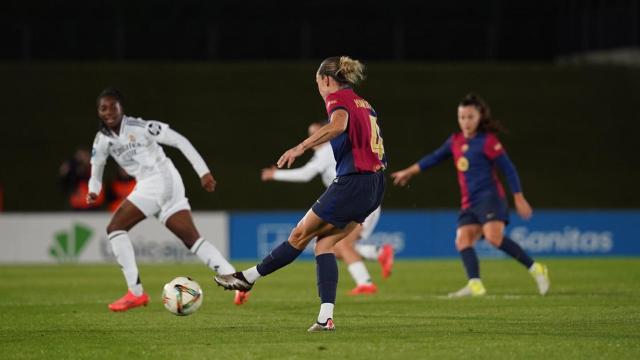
462,164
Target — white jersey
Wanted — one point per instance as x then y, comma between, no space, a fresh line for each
136,149
322,163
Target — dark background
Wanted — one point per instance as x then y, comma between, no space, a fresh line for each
373,30
237,78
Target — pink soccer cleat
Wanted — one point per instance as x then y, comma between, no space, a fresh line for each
366,289
241,297
386,260
129,301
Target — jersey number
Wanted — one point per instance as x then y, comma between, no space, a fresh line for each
376,139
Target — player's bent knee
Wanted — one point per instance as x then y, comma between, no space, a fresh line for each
296,239
495,240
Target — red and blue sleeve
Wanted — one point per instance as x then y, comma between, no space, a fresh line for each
335,102
494,151
442,153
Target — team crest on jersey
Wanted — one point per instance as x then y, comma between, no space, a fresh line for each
154,128
464,148
497,147
462,164
132,138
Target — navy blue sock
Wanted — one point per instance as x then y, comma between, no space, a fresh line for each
470,261
279,257
515,251
327,272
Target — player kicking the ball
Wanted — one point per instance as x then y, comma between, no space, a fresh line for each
356,192
349,250
135,145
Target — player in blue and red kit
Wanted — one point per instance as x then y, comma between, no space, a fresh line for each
477,153
355,193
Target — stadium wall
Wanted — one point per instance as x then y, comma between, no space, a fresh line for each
76,237
571,128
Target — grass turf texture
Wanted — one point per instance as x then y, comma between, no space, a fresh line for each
592,311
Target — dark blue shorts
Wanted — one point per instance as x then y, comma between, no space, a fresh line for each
350,198
489,209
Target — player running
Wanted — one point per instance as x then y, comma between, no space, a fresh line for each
353,195
476,152
348,250
134,145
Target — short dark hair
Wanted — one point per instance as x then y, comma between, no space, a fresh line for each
111,92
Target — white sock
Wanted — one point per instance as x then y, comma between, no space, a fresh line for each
326,312
367,251
210,255
123,251
359,273
252,274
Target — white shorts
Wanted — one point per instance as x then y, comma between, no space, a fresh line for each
160,194
370,223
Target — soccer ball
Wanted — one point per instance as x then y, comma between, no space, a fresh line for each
182,296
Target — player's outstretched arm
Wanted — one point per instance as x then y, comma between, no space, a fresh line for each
173,138
403,176
336,126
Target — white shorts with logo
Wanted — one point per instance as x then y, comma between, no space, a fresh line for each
160,194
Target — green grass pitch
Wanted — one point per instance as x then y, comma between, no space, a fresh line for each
592,311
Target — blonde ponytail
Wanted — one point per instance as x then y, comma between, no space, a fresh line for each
343,69
352,70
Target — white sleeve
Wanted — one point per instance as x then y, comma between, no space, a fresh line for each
167,136
99,157
302,174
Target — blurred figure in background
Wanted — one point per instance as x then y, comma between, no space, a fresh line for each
74,177
120,188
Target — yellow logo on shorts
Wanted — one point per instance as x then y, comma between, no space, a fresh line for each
462,164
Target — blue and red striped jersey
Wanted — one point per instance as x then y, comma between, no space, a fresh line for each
476,160
360,148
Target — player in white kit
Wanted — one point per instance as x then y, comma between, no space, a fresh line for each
324,163
135,145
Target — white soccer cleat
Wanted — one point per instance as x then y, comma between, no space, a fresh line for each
540,274
317,327
474,288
